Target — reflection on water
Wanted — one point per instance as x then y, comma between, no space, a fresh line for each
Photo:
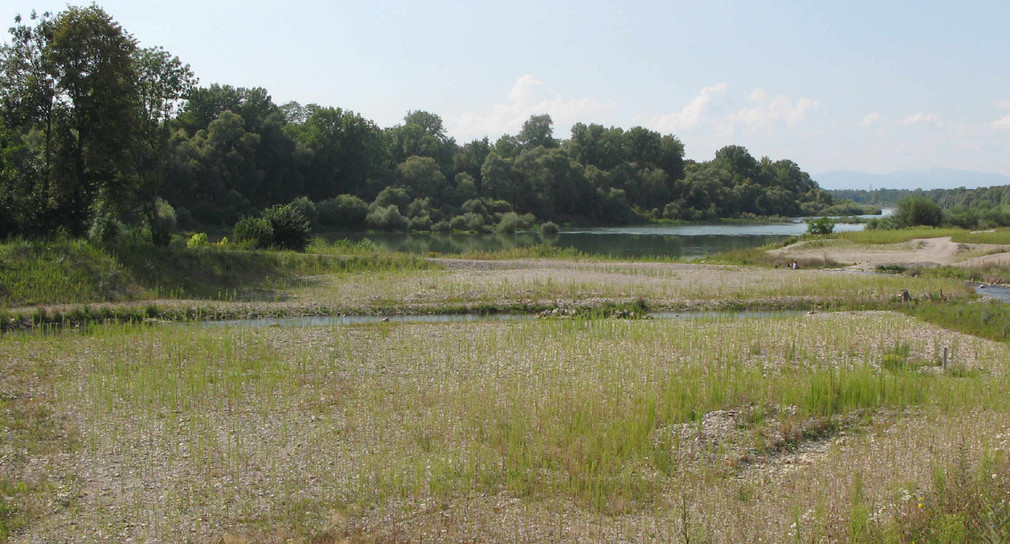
680,241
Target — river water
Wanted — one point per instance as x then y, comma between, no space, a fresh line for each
680,241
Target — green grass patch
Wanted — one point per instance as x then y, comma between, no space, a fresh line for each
75,272
898,235
985,319
61,271
999,236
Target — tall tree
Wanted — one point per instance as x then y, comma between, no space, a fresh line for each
538,130
72,78
163,81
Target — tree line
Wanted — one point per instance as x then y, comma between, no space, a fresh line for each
98,133
981,208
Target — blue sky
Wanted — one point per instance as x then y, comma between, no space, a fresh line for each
872,86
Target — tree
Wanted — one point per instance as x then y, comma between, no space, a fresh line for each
822,225
72,78
163,81
422,134
341,151
421,177
917,210
538,130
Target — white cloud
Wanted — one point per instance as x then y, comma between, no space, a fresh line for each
923,118
690,115
768,112
1002,124
527,97
1003,105
871,119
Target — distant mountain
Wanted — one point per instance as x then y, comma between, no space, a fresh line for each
930,178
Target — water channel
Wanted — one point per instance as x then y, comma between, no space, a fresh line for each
680,241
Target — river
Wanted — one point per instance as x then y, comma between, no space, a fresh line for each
681,241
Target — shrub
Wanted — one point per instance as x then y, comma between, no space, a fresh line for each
510,222
457,223
396,196
197,240
441,226
386,218
253,231
549,228
421,222
474,221
347,211
916,210
823,225
291,227
308,209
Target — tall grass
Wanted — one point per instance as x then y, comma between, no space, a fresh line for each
60,270
211,423
988,319
898,235
74,271
998,236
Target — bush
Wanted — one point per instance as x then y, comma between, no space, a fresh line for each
917,210
474,221
386,218
253,231
457,223
441,226
510,222
166,216
549,228
346,211
392,196
308,209
291,227
822,225
421,222
197,240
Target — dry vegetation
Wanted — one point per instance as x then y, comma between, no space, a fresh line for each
556,430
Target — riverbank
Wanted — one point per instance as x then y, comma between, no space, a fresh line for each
577,427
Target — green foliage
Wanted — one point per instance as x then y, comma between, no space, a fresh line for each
896,357
549,228
915,211
989,319
895,236
342,211
60,271
510,222
198,240
291,229
219,153
823,225
253,231
419,223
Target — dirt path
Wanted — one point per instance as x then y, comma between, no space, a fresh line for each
920,251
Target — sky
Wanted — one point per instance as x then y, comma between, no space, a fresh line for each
874,86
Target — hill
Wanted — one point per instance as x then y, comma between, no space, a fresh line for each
929,178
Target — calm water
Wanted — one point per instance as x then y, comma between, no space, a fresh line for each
684,241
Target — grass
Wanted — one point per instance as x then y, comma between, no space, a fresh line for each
339,431
898,235
72,271
61,270
999,236
989,319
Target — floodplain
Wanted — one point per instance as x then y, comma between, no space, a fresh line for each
865,417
